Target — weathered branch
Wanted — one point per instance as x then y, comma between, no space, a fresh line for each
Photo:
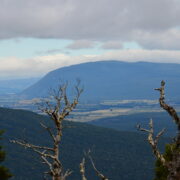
82,169
153,141
66,174
174,164
48,164
99,174
31,146
171,111
49,131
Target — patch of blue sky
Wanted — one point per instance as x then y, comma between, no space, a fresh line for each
30,47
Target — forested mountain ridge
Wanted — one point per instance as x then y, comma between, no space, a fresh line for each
105,80
117,154
129,122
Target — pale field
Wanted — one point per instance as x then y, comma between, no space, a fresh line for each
112,111
118,102
94,115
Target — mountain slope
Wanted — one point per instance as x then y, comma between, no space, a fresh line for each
16,85
112,80
129,122
117,154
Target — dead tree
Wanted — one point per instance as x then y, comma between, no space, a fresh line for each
173,164
82,168
57,107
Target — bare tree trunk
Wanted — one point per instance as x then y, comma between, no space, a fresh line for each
172,165
57,108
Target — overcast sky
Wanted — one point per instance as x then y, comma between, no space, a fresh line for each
37,36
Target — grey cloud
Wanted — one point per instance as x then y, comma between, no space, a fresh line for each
101,20
161,40
112,45
81,44
38,66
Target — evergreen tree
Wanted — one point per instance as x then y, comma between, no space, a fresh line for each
4,172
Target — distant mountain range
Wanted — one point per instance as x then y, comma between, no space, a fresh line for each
15,85
108,80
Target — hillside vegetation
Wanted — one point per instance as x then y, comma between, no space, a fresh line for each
129,122
116,153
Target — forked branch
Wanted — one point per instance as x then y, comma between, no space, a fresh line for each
57,107
172,112
153,140
98,173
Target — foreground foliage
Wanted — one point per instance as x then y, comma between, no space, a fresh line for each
4,172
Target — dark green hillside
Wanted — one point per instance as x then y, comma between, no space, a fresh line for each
120,155
129,122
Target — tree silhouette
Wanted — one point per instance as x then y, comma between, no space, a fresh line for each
167,164
58,107
4,172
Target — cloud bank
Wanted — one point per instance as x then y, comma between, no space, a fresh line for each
40,65
153,24
81,44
